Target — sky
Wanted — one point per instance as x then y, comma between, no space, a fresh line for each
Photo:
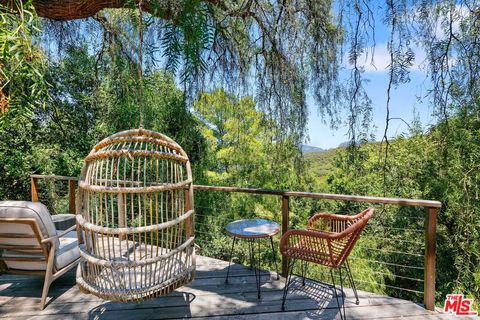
404,104
404,101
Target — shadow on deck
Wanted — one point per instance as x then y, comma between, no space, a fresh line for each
207,296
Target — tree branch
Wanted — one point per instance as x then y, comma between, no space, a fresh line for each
63,10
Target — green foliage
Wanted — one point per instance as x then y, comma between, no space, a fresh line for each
322,164
164,109
22,63
242,151
187,38
441,165
23,88
82,109
242,145
15,159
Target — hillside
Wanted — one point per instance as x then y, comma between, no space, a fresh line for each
309,149
321,162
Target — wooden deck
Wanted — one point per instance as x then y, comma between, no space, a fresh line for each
207,296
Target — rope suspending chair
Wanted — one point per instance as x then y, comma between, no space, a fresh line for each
328,241
135,216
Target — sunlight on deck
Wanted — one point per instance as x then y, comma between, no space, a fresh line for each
207,296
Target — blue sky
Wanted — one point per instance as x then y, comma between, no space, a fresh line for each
404,102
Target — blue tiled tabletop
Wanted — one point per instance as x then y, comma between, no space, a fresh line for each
252,228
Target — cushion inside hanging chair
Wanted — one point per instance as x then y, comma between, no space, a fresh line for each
138,281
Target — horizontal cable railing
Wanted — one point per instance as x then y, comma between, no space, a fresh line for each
395,254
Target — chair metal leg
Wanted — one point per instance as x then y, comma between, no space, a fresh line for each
274,257
304,272
336,294
352,283
231,257
288,279
342,292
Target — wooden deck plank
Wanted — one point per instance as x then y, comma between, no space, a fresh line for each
207,296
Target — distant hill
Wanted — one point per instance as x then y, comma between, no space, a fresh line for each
321,161
309,149
359,142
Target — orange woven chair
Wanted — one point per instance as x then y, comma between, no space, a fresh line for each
328,241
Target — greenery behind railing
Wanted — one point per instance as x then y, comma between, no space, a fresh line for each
386,260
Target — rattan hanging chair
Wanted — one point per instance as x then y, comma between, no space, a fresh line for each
135,216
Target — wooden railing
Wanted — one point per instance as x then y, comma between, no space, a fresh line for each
72,182
431,207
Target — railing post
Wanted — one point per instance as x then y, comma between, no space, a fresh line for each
71,196
285,218
430,252
34,189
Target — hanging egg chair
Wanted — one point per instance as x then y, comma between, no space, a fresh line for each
135,216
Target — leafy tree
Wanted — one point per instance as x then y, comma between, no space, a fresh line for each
284,45
22,64
164,109
441,165
83,108
242,151
23,89
290,49
242,145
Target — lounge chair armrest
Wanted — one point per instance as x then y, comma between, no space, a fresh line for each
72,228
55,238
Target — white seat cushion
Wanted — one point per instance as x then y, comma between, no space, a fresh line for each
135,278
68,250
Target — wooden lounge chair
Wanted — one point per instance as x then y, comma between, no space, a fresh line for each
30,244
328,241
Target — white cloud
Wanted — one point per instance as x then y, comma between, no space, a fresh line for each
381,59
460,13
381,55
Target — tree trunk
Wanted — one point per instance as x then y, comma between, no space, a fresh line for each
80,9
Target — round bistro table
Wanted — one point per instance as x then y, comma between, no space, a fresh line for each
252,230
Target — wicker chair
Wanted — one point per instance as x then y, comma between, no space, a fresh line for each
328,241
